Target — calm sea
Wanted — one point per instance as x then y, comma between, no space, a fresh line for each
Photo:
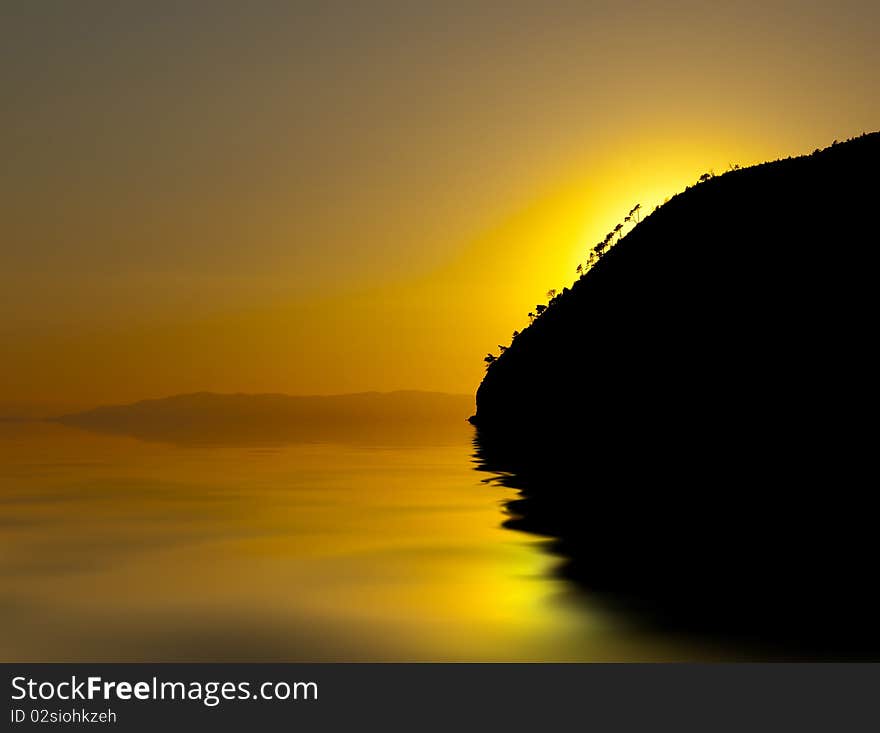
115,548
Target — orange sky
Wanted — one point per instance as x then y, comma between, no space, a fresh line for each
350,198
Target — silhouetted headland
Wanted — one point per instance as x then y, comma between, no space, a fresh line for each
375,418
693,420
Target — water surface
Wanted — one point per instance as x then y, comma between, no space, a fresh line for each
115,548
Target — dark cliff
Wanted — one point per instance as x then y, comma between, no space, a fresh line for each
742,313
694,420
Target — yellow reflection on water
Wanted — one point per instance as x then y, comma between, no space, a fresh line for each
118,549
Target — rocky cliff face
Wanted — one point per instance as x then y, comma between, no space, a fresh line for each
737,318
693,421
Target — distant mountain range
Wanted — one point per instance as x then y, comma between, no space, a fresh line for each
372,417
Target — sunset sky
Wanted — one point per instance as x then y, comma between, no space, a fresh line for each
334,197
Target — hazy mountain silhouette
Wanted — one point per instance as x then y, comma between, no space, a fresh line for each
404,417
693,421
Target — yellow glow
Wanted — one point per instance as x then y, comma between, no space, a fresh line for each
422,332
258,221
136,551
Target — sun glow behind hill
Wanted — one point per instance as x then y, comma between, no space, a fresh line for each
425,331
329,202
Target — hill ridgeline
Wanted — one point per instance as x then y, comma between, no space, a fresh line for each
736,317
693,420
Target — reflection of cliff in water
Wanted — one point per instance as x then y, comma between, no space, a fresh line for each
788,572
